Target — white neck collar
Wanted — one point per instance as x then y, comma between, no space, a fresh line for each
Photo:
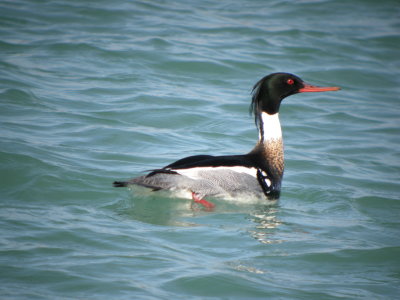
270,127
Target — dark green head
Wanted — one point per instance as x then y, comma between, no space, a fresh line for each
269,92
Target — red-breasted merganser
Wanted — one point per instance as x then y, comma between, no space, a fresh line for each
258,173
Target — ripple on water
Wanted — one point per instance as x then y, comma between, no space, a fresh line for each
94,93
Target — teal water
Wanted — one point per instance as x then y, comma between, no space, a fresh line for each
95,91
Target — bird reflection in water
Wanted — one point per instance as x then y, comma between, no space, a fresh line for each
266,221
148,208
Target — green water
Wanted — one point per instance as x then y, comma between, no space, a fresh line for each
97,91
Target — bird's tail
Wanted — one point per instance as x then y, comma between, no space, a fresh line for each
120,183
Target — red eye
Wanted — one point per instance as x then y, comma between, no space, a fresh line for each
290,81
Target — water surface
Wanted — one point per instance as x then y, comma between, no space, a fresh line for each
92,92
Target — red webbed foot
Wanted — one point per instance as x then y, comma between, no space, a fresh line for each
209,206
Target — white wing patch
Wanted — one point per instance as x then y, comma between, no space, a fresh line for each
196,173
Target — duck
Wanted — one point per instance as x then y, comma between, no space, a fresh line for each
257,173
